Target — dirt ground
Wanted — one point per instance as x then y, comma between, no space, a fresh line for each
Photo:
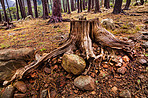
38,34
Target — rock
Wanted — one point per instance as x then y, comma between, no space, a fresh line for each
19,54
21,86
108,23
20,96
43,93
85,83
29,17
142,61
8,92
114,89
145,44
121,70
7,68
125,94
126,58
73,63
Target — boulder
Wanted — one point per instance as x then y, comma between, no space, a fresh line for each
73,63
7,68
16,54
8,92
108,23
125,94
85,83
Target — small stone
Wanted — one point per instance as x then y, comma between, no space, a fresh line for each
105,66
8,92
73,63
47,70
21,86
114,89
125,58
46,85
85,83
93,92
142,61
19,95
121,70
145,44
43,93
125,94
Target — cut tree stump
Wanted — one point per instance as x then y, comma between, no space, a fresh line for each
82,33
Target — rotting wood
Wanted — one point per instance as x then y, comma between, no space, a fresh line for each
82,33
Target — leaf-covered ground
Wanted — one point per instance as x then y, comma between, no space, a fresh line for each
58,83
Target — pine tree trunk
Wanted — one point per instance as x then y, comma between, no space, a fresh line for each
83,4
68,7
127,5
89,5
64,6
48,6
4,10
106,4
29,8
9,10
97,6
51,3
17,10
45,9
75,4
141,2
72,5
22,8
78,6
92,4
0,17
35,8
117,7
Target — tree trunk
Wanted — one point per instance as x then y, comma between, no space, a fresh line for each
117,7
97,6
141,2
45,9
92,4
127,5
56,12
68,7
29,8
0,17
35,8
51,3
106,4
78,5
64,6
83,4
75,4
22,8
48,6
17,10
9,10
72,5
89,5
82,33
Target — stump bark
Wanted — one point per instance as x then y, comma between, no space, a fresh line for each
82,33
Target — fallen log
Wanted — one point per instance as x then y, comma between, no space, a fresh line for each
82,33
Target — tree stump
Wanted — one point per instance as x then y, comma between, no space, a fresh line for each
82,33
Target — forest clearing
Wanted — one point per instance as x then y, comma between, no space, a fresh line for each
88,54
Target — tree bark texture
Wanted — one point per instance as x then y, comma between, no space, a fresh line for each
97,6
17,10
29,8
45,9
89,5
93,4
9,10
117,7
72,5
127,5
22,8
84,4
35,8
0,17
78,5
68,7
64,6
107,4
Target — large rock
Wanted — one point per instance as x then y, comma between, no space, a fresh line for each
19,54
73,63
85,83
12,59
8,92
108,23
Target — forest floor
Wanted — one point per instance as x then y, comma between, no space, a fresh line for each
38,34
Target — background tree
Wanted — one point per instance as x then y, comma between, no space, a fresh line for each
17,10
0,17
68,7
72,5
89,5
78,5
107,4
141,2
35,8
97,6
9,10
29,8
117,7
127,5
22,8
64,6
56,12
48,6
45,9
93,4
84,4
